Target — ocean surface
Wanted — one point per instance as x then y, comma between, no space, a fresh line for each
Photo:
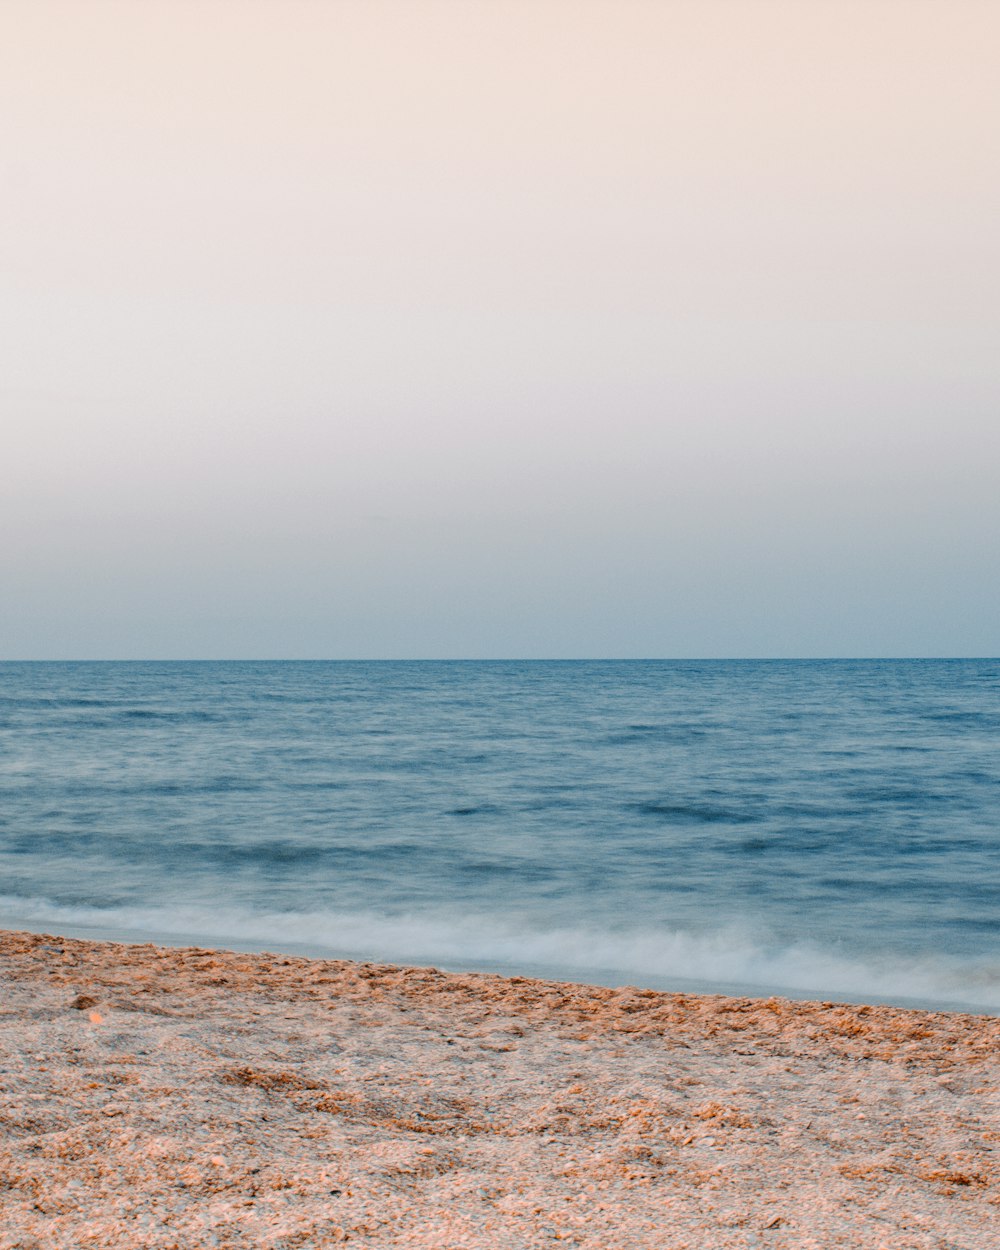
815,828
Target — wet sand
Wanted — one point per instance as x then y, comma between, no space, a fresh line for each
165,1098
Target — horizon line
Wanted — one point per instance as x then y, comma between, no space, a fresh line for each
556,659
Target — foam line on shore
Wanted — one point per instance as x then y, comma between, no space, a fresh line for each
729,959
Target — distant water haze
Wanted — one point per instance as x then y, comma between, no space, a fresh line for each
519,329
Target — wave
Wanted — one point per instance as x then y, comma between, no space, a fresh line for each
728,960
696,813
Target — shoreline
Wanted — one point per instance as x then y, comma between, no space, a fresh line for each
172,1097
599,977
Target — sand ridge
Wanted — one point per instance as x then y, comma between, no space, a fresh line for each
179,1098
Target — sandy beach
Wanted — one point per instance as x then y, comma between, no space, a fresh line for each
183,1098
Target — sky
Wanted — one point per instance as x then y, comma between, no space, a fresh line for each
499,328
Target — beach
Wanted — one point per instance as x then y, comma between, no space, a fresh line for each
157,1098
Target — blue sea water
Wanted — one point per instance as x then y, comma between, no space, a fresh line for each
822,829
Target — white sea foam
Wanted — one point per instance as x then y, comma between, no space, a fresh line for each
727,960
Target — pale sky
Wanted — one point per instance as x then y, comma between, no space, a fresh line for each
458,328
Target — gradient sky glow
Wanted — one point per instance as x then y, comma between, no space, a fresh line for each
347,328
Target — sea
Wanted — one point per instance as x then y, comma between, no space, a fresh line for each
816,829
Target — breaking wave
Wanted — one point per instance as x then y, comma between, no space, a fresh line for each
727,960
